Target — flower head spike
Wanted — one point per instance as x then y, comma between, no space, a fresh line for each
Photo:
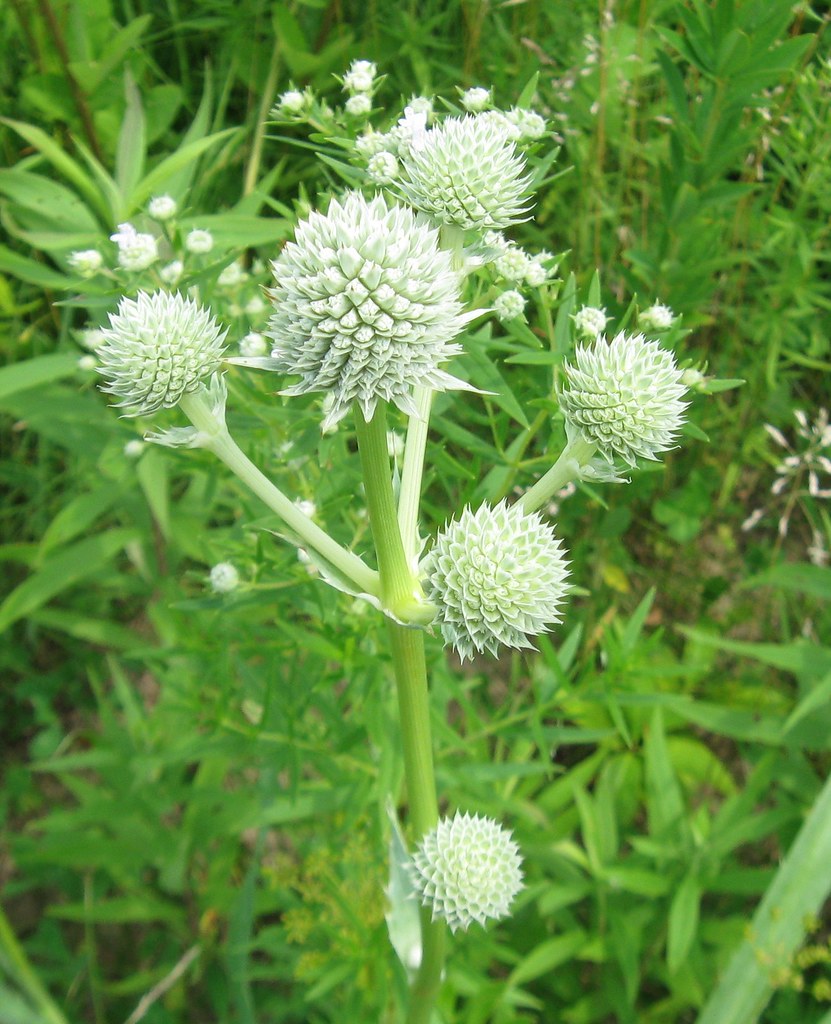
365,306
157,348
467,869
624,395
466,172
498,576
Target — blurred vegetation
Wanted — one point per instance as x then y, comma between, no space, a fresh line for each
195,785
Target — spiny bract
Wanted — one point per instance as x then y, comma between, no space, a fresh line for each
498,575
157,348
467,869
365,306
624,395
466,171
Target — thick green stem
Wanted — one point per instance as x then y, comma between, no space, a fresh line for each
412,473
216,438
574,456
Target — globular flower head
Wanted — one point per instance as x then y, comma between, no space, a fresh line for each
476,99
530,124
624,395
171,272
466,172
162,207
157,348
509,305
467,869
358,105
360,77
224,578
136,251
657,317
498,575
199,241
365,306
253,344
589,321
382,168
86,262
513,263
291,104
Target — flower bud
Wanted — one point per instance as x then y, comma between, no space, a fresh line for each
589,321
624,396
476,99
509,305
136,251
656,318
498,576
157,348
199,242
467,869
224,578
162,208
86,262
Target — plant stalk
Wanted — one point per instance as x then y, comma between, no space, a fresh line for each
574,456
413,472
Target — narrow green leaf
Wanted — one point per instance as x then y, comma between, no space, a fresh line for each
161,175
547,956
33,372
132,140
33,272
683,921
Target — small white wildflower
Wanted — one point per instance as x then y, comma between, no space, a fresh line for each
292,103
224,578
255,306
421,105
383,168
91,338
199,242
308,508
172,272
624,396
531,125
158,347
498,576
253,345
466,172
136,251
509,305
590,321
365,306
476,99
360,77
86,262
232,275
536,272
693,378
358,105
87,363
656,318
134,448
512,264
162,208
467,869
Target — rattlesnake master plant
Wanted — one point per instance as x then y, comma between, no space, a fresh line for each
157,348
366,306
624,396
467,172
498,576
467,869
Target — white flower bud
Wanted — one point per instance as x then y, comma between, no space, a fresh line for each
232,275
87,363
467,172
509,305
366,306
512,264
162,208
358,105
589,321
308,508
421,105
86,262
133,449
172,272
625,397
291,104
656,318
467,869
498,576
255,306
373,142
199,242
135,251
383,168
224,578
476,99
360,76
536,273
91,338
158,347
253,345
530,124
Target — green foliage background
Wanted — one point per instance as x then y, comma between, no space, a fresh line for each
202,781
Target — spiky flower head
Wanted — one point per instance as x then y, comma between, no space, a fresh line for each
498,576
624,395
157,348
466,172
365,306
467,869
509,305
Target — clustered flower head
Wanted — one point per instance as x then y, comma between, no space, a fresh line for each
466,172
590,321
162,208
657,317
468,868
136,251
476,99
498,576
509,305
624,396
292,103
382,168
157,348
224,578
358,105
365,306
360,77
